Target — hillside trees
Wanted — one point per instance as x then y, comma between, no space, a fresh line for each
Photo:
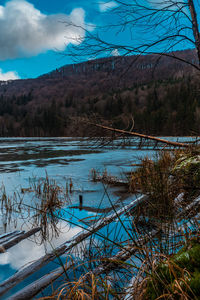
173,110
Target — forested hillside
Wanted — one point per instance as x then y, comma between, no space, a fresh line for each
160,93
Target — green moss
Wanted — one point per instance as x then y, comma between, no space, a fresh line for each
187,170
183,267
194,254
183,260
185,163
195,283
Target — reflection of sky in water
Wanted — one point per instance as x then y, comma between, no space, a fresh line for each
28,250
116,161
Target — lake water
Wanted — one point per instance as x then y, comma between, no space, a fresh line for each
24,161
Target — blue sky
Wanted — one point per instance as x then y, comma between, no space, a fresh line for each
33,33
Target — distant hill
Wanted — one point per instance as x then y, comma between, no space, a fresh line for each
105,73
109,87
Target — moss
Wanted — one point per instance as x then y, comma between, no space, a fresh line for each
183,260
187,170
194,254
184,267
189,257
195,283
185,163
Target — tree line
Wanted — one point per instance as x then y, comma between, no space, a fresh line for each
165,107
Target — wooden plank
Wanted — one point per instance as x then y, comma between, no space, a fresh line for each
67,246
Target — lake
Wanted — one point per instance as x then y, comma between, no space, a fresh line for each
67,161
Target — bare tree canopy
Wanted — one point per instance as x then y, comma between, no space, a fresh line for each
148,27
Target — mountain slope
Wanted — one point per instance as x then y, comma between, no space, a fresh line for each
146,87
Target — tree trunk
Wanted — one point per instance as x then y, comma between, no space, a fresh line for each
31,290
195,27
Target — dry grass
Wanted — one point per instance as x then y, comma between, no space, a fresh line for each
173,277
52,199
42,209
87,287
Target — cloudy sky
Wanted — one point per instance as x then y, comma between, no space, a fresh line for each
33,33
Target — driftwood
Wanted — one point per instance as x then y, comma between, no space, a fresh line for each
10,236
37,286
18,238
144,136
35,266
192,207
108,265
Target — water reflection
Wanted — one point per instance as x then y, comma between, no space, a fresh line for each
30,249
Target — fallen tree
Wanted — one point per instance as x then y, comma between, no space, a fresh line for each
107,266
19,276
142,136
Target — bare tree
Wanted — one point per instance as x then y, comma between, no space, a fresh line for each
154,26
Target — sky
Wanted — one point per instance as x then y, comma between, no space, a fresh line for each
34,38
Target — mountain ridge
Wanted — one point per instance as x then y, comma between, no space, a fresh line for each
148,87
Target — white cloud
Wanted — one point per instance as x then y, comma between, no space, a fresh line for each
25,31
104,6
11,75
115,52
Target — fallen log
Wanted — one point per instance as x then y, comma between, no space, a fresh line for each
17,239
108,265
7,234
39,285
67,246
10,236
148,137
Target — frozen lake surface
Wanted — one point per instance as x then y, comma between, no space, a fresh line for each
65,160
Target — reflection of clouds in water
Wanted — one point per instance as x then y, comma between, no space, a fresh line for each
21,254
28,251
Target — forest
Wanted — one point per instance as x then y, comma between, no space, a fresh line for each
160,107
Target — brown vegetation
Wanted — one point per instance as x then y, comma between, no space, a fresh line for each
162,100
